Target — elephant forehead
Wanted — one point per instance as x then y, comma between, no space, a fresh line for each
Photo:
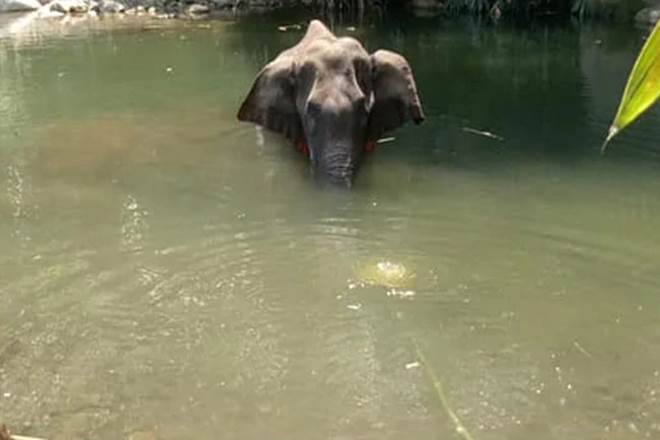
337,54
336,92
352,46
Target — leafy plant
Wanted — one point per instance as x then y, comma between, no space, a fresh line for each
581,8
471,6
642,88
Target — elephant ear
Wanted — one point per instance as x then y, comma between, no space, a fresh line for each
271,101
395,94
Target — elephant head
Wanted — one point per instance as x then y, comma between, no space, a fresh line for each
333,99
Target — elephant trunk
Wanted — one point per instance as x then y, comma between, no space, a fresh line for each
338,164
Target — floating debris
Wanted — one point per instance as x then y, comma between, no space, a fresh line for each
385,140
5,434
487,134
439,389
401,293
411,365
354,306
581,349
289,27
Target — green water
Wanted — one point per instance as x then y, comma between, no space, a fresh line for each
170,273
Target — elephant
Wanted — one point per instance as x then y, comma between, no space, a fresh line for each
333,99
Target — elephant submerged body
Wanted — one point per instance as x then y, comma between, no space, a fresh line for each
333,99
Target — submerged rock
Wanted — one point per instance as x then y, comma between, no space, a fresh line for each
385,273
19,5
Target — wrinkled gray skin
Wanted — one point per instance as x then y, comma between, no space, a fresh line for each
330,94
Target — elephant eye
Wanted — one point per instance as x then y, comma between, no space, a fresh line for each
305,72
308,67
313,108
360,102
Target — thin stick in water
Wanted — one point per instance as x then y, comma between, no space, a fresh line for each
581,349
437,385
6,435
487,134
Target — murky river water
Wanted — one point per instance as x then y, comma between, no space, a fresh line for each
170,273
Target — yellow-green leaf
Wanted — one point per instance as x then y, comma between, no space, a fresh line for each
643,87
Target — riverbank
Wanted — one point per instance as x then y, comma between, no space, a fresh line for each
155,8
33,27
640,11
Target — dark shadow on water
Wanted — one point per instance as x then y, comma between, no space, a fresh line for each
548,89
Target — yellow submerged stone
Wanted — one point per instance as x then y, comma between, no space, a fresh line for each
385,273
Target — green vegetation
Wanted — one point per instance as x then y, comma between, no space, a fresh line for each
643,87
577,8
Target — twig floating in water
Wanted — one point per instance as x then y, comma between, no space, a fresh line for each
581,349
385,140
289,27
411,365
437,385
460,428
487,134
6,435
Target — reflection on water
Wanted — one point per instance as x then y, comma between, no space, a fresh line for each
171,273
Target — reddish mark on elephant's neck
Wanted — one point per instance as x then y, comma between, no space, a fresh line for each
302,146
